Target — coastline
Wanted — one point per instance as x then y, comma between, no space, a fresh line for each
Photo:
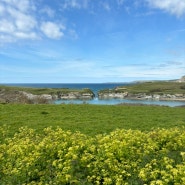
103,93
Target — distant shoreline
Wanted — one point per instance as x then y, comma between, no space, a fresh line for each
112,93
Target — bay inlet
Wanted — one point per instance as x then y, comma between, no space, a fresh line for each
95,87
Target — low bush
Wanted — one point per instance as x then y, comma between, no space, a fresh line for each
120,157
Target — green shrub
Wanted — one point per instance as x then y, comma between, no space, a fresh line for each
121,157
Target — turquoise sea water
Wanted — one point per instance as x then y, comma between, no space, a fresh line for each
95,87
122,101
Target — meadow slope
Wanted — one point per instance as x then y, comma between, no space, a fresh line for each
90,119
116,145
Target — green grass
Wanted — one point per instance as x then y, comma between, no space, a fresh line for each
39,91
90,119
55,156
158,87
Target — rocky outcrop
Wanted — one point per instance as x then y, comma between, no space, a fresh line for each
32,96
163,97
147,91
75,95
110,95
119,93
141,96
15,96
182,79
23,97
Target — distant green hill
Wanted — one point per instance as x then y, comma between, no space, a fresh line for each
157,87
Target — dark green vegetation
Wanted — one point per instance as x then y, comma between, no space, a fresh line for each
159,87
90,119
39,91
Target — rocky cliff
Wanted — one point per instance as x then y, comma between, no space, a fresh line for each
147,91
20,96
142,96
182,79
75,95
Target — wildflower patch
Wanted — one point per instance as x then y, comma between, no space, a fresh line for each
121,157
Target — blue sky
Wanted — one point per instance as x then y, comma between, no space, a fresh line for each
91,41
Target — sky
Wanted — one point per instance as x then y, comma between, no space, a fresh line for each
91,41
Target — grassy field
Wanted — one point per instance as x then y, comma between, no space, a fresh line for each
90,119
116,144
39,91
158,87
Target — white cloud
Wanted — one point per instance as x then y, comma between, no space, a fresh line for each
175,7
22,6
23,35
47,10
94,69
23,21
2,9
19,20
52,30
6,39
6,26
144,71
72,4
106,6
73,34
120,2
75,4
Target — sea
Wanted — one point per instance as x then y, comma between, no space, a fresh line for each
95,87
